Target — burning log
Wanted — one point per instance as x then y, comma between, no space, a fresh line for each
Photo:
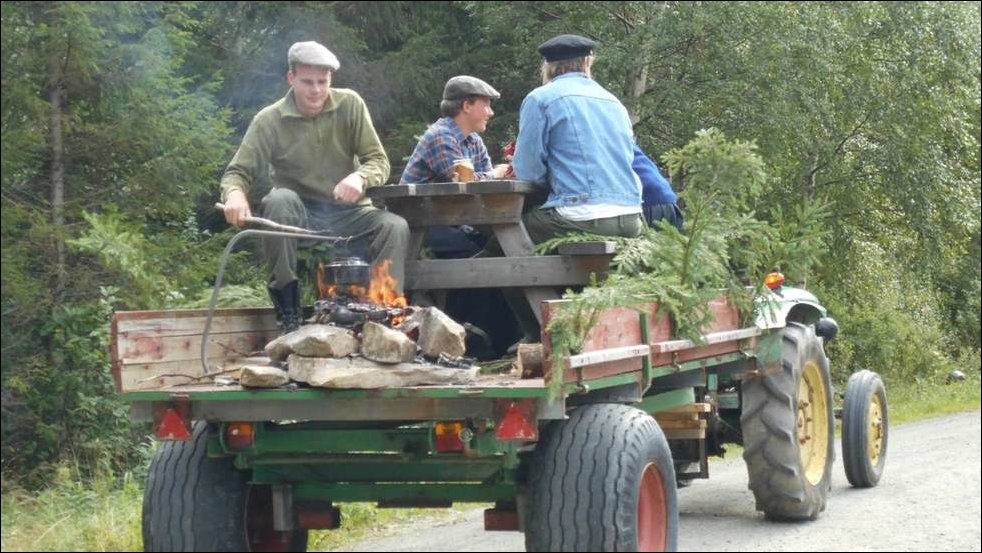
354,314
351,294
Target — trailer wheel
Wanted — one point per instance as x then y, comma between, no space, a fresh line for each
194,502
602,480
788,430
865,429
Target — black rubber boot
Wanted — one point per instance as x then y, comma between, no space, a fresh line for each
286,301
531,331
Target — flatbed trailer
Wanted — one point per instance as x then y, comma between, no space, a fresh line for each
578,451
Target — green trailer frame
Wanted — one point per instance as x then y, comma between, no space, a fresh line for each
311,448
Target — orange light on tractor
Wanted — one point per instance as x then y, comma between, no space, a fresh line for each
240,435
774,280
447,436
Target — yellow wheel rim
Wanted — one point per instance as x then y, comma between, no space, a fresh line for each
874,433
812,425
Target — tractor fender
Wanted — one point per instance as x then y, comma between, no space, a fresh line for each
788,304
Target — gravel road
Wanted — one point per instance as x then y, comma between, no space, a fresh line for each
929,499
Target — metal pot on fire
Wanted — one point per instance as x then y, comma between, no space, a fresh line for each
347,271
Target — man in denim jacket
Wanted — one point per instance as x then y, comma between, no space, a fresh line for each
577,137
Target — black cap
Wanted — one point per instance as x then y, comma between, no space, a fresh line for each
463,86
564,47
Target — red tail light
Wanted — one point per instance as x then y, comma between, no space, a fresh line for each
240,435
447,436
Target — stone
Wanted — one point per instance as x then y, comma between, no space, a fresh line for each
385,345
354,372
438,333
256,376
314,341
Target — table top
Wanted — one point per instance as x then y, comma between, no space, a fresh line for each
454,189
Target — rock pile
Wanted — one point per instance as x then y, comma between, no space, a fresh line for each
379,357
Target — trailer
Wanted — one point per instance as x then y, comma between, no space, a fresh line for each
578,451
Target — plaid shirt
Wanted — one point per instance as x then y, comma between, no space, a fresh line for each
443,142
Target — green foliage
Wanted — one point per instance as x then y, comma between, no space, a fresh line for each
139,144
69,409
135,260
926,397
854,136
723,247
126,251
74,513
891,325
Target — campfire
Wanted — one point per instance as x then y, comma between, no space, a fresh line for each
350,294
365,335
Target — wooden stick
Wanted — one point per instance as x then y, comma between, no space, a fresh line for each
273,225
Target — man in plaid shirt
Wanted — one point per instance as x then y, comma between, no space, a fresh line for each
466,108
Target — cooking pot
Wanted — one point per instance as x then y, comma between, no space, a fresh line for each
347,271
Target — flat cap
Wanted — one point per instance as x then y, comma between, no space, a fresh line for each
463,86
312,53
564,47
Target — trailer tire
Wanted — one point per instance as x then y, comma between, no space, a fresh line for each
193,502
788,430
865,429
603,480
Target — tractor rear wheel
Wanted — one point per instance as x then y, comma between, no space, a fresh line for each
788,427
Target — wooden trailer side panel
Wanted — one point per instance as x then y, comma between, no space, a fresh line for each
153,349
621,327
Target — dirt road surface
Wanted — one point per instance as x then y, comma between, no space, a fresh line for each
929,499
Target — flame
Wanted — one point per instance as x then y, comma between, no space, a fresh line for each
382,290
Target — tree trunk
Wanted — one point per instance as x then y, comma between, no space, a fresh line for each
55,97
636,86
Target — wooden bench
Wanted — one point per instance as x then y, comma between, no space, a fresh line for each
598,247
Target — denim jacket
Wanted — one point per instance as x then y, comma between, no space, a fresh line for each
577,137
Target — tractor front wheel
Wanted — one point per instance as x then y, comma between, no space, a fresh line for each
865,429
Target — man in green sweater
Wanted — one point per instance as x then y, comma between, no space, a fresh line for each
320,151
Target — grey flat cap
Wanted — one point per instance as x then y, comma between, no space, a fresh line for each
312,53
565,47
463,86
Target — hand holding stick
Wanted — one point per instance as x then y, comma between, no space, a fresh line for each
272,225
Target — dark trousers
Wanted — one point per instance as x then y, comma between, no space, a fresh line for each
389,233
670,213
543,224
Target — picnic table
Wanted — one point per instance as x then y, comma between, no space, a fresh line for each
498,204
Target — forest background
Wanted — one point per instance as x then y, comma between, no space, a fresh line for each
119,117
